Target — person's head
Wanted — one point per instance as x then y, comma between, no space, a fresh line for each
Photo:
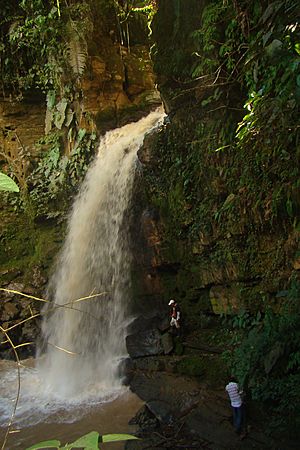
233,378
171,302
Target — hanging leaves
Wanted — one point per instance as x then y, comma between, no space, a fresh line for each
60,113
7,184
77,52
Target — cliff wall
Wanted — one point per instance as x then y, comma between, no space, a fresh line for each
222,221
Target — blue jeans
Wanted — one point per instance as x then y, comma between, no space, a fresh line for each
238,418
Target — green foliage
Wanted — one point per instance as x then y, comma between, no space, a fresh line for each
207,37
40,42
7,184
227,168
58,176
250,53
267,360
88,441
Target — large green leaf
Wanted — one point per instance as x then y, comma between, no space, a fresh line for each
88,441
45,444
60,114
117,437
7,184
51,96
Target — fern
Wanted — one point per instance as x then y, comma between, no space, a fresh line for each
77,51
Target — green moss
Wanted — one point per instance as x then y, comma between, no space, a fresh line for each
210,368
24,245
191,366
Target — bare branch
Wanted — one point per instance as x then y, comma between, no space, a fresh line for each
18,389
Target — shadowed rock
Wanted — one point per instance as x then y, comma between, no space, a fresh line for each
144,343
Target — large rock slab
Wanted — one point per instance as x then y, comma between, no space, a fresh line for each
161,410
202,413
144,343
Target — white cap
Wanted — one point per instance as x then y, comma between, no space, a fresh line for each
171,302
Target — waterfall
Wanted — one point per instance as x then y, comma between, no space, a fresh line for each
86,339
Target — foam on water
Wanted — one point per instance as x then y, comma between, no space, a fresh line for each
38,404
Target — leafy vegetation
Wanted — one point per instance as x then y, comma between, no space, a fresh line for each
44,52
88,441
246,57
40,43
7,184
266,359
226,170
226,178
57,175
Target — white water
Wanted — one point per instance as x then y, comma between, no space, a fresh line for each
85,340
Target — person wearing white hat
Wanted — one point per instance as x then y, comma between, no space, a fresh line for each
175,314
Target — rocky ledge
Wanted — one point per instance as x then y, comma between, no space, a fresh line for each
184,410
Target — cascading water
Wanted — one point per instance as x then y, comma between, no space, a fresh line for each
85,338
95,259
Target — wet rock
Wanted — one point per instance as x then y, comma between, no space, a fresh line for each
29,290
161,410
142,323
18,287
125,370
167,343
144,343
9,312
145,419
146,389
150,364
164,325
38,277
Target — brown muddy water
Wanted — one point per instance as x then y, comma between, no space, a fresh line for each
40,417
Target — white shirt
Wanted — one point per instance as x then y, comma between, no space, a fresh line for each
234,394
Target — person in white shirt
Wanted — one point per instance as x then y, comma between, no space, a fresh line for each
235,396
175,316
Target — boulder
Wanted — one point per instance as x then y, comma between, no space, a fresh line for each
144,322
144,343
145,419
161,410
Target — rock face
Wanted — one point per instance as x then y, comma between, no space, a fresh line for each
117,87
209,239
188,413
144,343
18,306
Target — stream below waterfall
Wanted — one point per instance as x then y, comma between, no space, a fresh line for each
74,385
38,417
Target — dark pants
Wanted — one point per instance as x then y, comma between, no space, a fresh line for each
238,417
